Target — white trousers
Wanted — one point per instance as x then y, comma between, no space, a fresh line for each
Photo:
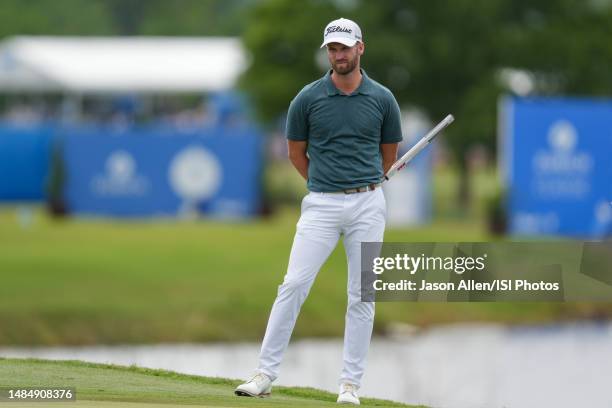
326,216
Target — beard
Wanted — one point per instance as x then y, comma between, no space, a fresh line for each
345,68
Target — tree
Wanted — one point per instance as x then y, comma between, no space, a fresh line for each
59,17
282,51
123,17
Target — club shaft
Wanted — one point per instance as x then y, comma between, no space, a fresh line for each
420,145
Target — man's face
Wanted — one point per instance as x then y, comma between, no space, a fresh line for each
344,59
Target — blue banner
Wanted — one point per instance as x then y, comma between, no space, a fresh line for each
163,174
557,156
25,152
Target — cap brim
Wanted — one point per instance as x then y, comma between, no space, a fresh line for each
349,42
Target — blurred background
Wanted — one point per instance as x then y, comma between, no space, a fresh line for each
147,206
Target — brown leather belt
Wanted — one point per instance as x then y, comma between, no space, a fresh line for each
369,187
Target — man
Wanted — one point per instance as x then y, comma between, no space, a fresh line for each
343,131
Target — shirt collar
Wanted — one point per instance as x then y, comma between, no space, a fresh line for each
364,88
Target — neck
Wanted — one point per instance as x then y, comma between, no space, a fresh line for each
349,82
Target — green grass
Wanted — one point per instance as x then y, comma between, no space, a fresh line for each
100,385
81,281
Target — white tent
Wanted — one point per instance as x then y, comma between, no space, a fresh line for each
102,65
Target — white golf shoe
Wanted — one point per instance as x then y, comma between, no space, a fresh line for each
258,385
348,394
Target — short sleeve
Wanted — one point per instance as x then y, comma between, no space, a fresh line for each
297,119
391,131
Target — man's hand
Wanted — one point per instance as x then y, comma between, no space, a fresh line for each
297,155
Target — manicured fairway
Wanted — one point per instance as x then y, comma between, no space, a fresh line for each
131,387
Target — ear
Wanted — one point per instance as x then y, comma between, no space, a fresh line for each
360,48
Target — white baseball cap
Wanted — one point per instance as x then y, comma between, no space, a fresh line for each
342,31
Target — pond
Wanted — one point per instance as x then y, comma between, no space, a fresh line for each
459,366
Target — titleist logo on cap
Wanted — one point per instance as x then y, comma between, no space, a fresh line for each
338,29
343,31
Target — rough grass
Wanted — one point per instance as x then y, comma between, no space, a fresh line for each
88,281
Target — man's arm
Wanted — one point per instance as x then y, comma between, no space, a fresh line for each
297,155
389,155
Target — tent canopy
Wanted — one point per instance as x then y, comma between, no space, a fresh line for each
85,65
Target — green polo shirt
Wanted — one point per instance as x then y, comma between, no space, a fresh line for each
344,132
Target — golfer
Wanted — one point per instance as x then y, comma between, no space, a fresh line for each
343,132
